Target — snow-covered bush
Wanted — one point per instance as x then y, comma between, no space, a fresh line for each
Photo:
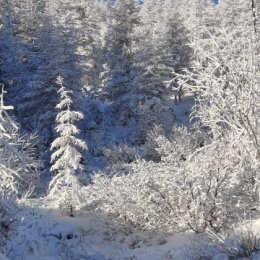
196,185
120,154
208,188
240,242
154,111
18,165
149,151
225,76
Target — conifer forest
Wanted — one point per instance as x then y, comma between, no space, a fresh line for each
129,130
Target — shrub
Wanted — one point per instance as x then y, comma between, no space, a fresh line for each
242,242
192,187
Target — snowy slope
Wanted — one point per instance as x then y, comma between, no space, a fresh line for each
47,234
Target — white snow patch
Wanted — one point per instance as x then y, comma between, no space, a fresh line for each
220,256
2,257
256,257
49,234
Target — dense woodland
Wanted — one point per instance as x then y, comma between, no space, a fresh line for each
88,118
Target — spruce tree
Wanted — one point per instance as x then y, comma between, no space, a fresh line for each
66,159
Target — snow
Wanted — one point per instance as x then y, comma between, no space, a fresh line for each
2,257
256,257
47,234
95,237
220,256
44,258
127,71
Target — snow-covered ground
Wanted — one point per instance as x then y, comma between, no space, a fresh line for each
48,234
2,257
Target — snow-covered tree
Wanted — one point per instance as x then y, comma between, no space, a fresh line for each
225,76
135,106
66,158
123,17
18,165
225,79
25,68
161,47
